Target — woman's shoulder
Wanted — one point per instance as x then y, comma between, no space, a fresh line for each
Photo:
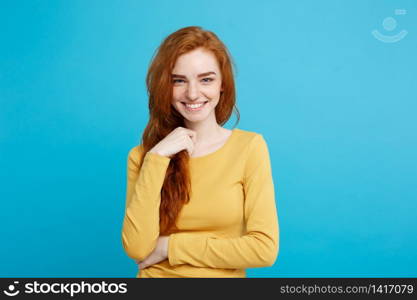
247,137
252,144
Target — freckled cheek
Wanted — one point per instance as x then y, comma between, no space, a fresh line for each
211,92
176,95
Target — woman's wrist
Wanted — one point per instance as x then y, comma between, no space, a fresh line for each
155,151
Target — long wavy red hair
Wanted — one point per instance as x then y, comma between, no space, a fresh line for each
164,118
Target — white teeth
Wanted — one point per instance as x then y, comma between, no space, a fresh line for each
194,105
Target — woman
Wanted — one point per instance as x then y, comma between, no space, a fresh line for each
200,198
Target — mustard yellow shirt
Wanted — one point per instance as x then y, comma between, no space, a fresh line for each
230,223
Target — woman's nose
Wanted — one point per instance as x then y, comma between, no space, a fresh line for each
192,91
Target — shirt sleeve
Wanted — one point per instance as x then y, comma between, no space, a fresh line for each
259,246
143,197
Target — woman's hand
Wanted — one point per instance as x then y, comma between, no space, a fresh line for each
160,253
177,140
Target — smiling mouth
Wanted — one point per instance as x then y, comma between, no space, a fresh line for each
196,108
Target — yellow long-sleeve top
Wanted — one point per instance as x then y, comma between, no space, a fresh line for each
230,223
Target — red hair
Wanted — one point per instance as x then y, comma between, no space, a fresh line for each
164,118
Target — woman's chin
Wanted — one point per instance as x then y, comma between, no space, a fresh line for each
194,118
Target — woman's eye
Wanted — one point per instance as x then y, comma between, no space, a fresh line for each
206,80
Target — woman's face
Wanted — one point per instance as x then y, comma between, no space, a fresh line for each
196,80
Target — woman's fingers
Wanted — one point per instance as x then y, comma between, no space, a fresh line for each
157,255
141,264
190,147
193,135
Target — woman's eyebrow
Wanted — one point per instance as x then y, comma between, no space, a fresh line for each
199,75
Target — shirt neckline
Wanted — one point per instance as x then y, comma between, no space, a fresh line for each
218,150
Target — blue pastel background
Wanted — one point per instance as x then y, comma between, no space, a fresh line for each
336,106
